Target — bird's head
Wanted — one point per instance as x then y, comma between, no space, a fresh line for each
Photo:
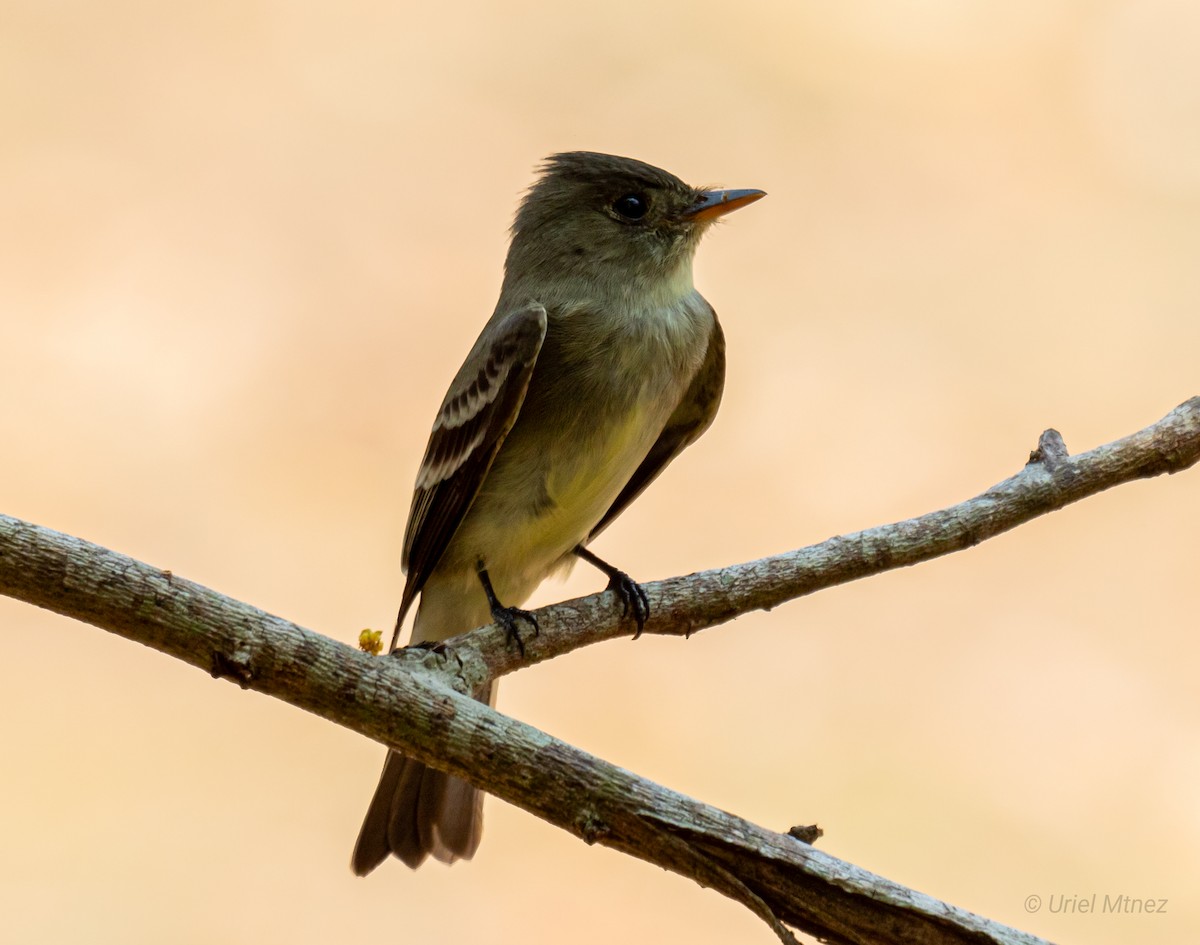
613,222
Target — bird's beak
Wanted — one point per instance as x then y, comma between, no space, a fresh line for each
717,203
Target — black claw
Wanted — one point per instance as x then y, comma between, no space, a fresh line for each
507,616
633,598
433,646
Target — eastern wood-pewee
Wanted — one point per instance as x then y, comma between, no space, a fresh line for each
599,365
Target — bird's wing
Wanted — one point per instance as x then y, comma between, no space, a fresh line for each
691,418
480,408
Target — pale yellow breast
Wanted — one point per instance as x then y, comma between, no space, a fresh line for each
582,433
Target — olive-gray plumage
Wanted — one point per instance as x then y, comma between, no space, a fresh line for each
599,365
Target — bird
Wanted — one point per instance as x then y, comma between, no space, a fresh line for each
599,365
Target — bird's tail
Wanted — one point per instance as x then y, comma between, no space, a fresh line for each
418,811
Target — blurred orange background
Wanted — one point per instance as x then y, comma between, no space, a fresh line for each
243,248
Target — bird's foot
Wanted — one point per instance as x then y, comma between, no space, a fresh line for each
507,617
433,646
633,598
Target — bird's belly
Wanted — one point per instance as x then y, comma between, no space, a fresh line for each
544,496
581,433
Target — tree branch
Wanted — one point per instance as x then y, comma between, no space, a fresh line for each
419,703
684,605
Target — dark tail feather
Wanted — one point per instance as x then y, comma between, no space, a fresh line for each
418,811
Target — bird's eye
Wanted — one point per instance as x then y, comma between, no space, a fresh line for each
631,206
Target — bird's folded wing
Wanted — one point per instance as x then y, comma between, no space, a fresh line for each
480,408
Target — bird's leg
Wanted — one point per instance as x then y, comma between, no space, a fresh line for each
506,616
631,593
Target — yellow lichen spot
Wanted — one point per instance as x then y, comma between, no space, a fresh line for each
371,641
